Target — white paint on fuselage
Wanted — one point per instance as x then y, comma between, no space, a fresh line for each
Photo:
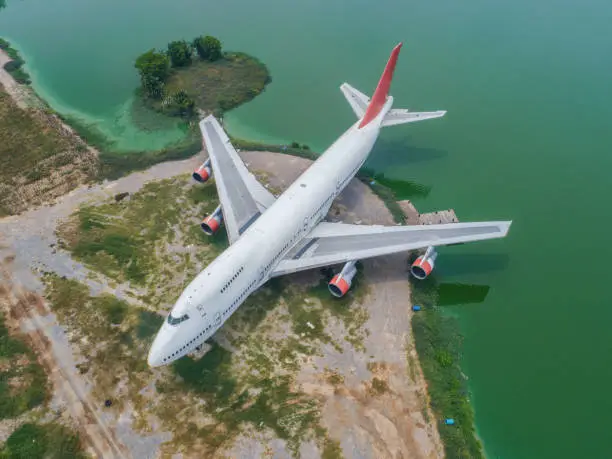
223,285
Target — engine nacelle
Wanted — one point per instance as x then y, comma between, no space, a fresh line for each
424,265
203,173
341,283
211,224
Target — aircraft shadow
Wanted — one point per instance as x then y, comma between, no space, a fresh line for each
452,264
389,153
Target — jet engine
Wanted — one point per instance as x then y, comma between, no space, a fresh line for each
424,265
211,224
341,283
203,173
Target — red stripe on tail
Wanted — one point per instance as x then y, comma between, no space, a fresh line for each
380,95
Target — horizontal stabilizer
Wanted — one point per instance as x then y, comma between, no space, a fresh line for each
402,116
358,101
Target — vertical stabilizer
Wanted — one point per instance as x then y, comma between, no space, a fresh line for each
382,90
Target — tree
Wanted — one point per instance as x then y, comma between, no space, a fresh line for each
153,86
180,53
154,70
208,47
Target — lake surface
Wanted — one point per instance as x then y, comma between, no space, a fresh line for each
528,91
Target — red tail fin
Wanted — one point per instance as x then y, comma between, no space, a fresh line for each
380,95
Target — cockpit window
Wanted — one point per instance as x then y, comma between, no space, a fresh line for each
177,320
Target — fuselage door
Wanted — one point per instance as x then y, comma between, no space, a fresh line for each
201,310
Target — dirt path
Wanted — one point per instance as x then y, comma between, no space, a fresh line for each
69,391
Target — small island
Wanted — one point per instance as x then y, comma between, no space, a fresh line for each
196,77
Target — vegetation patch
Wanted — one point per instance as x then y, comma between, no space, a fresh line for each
108,331
151,239
15,66
333,377
347,309
438,344
42,441
38,159
23,382
199,75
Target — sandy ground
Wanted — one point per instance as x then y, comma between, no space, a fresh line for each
389,425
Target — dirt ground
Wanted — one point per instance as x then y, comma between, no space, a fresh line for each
385,421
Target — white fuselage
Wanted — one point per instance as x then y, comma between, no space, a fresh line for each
226,283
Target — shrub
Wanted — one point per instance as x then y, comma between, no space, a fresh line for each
208,47
179,53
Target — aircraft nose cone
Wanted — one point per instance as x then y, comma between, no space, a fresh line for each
155,353
154,359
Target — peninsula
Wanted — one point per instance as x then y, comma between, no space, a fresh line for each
273,385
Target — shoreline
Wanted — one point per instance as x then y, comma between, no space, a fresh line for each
14,89
20,94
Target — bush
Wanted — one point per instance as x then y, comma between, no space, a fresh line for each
154,69
14,67
179,53
180,104
208,47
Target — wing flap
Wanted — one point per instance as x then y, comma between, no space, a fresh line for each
332,243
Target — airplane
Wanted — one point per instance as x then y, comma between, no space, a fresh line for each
273,236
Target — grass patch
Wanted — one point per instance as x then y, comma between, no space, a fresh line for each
438,344
37,159
21,132
23,382
378,386
112,334
250,145
346,309
136,240
333,377
220,85
332,450
42,441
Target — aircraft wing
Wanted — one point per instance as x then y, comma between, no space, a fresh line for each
242,197
333,243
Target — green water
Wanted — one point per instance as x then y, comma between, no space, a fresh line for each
529,97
